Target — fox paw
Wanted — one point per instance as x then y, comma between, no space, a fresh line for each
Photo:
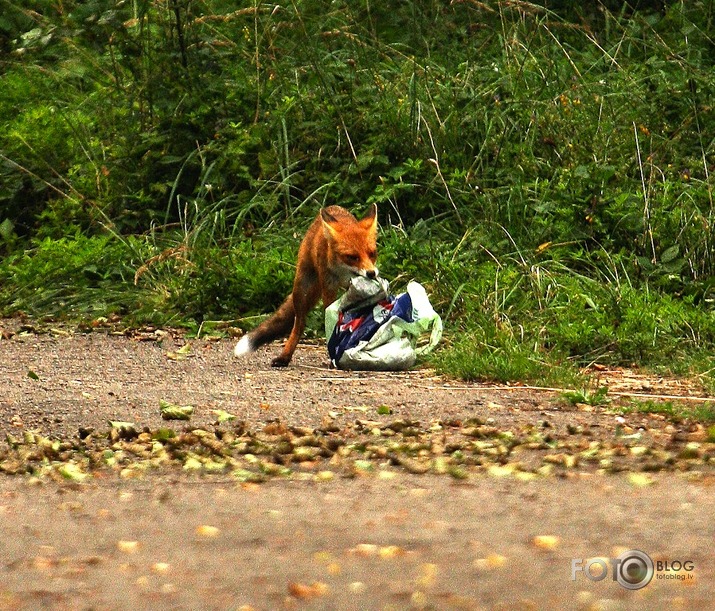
280,361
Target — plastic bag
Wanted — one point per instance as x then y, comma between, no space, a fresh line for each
369,329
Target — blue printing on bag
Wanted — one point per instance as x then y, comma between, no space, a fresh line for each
355,326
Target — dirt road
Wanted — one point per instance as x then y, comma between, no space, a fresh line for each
329,490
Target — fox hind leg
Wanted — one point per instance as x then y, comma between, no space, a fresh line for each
303,302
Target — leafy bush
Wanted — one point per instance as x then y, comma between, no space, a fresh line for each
77,276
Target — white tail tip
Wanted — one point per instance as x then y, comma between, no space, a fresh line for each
243,347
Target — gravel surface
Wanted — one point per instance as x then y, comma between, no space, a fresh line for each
376,490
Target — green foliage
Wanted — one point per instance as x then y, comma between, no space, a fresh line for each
503,358
675,411
587,396
544,169
194,281
77,276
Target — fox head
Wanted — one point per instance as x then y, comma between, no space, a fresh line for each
352,243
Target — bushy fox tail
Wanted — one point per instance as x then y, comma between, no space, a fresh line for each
277,326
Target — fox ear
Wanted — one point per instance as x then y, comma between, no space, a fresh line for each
371,213
327,219
369,221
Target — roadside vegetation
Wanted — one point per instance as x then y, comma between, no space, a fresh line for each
543,169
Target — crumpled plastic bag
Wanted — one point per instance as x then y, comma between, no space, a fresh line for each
369,329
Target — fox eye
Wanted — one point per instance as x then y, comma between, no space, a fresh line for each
352,259
372,254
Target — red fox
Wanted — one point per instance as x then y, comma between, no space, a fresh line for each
336,248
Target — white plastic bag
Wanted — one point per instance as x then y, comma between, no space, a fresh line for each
369,329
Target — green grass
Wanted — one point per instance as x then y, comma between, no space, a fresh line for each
476,360
587,396
675,411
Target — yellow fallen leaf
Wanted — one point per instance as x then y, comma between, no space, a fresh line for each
545,470
491,562
142,582
300,590
304,591
639,480
365,549
386,475
334,568
180,354
207,531
356,408
390,551
500,470
546,542
223,416
130,473
128,547
428,575
172,411
43,563
322,556
72,472
192,463
496,561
